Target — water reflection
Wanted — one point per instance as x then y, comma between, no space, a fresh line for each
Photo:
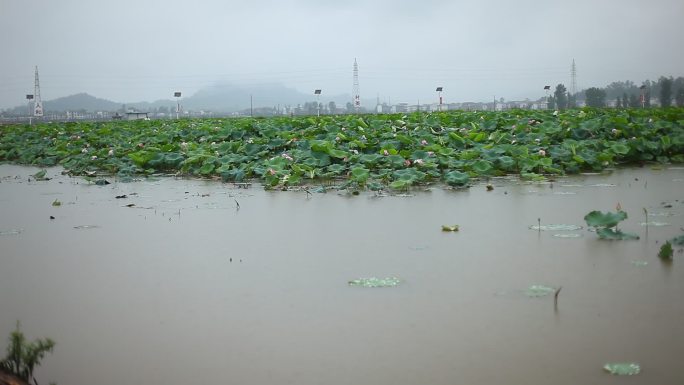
183,287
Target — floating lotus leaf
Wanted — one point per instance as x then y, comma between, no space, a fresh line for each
603,185
85,227
623,368
40,175
11,232
616,235
375,282
449,227
678,241
599,219
539,291
555,227
654,224
661,214
570,235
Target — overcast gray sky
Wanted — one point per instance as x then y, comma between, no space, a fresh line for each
135,50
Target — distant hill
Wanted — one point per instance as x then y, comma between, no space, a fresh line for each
223,98
80,101
230,97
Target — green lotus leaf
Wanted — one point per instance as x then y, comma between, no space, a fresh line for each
482,167
456,178
207,168
410,174
360,174
623,368
370,158
142,157
336,168
396,161
600,219
617,235
505,163
555,227
322,145
375,186
400,184
620,148
40,175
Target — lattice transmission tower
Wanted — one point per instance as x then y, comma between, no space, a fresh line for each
573,76
37,102
355,89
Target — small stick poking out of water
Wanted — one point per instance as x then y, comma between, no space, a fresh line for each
539,224
237,204
555,296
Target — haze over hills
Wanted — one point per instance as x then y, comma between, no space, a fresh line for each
222,98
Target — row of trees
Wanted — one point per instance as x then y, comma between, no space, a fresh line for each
626,94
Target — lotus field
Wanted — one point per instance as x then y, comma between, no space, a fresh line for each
360,151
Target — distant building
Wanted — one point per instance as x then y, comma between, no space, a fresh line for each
137,116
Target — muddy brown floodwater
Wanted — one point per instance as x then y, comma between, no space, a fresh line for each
182,287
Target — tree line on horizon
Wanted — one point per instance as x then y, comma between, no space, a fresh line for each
626,94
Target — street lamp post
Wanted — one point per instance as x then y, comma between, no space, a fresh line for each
547,89
177,95
439,92
642,97
29,97
318,104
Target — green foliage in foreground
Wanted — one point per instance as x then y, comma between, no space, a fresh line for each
606,224
23,356
363,150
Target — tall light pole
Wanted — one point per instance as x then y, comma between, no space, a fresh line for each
29,97
439,92
547,89
642,97
318,104
177,95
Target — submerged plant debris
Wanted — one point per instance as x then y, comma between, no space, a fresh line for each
555,227
655,224
86,227
375,282
11,232
450,228
623,368
568,235
535,291
678,241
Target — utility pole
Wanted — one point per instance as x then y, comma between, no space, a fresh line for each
439,92
318,104
29,97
